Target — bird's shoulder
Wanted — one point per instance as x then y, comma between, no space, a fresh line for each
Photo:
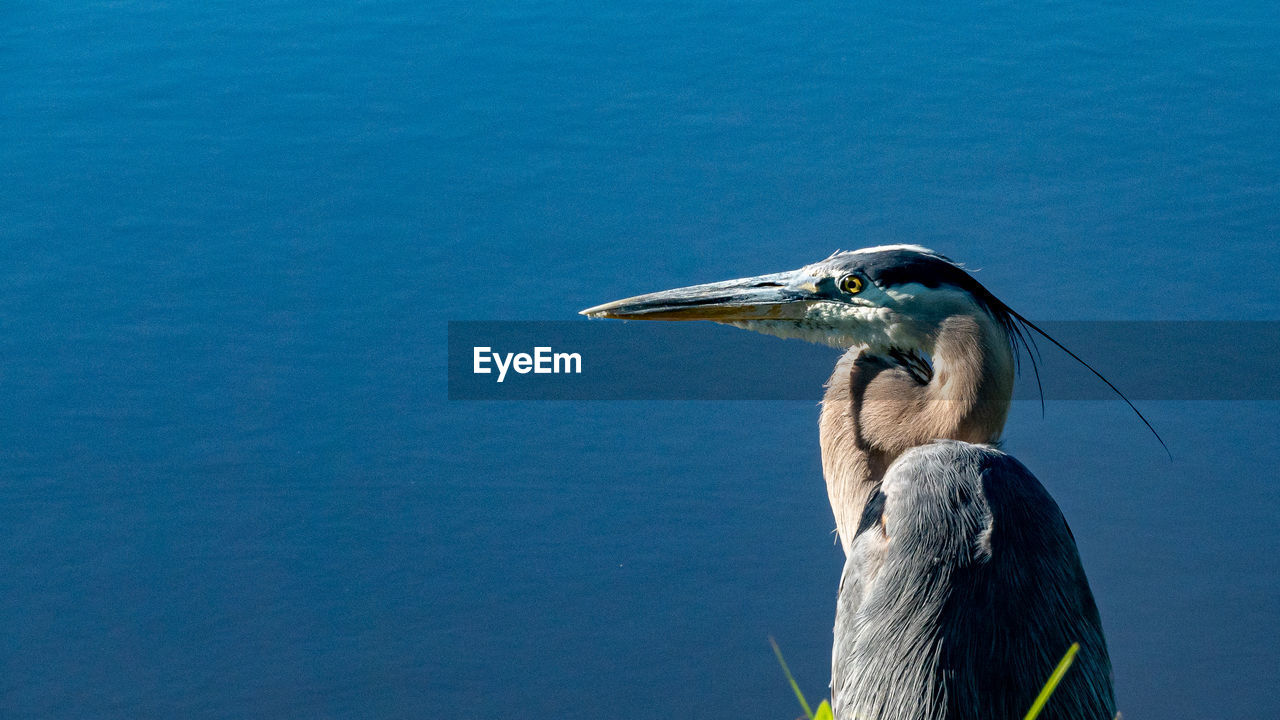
946,463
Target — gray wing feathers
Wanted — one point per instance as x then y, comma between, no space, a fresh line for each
959,604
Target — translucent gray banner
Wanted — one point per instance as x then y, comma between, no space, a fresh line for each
611,360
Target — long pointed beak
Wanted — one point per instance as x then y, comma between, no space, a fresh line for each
777,296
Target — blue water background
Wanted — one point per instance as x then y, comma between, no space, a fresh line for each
231,235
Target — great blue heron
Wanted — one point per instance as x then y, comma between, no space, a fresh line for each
962,585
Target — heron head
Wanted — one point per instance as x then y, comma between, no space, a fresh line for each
892,297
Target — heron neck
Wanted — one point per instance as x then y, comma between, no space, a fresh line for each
874,409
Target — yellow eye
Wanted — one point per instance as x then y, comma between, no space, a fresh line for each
851,284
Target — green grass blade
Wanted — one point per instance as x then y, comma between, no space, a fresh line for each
824,712
1051,685
794,687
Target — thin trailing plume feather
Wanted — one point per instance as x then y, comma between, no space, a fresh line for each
1014,320
1020,340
